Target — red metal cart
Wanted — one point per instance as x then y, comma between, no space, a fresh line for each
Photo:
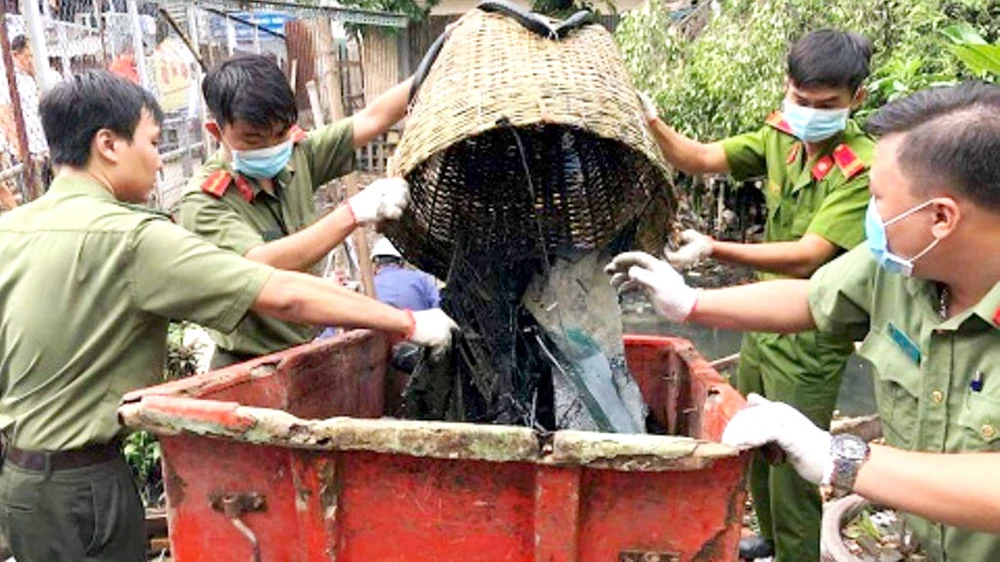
288,458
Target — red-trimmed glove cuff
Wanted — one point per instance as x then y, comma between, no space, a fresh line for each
350,210
413,324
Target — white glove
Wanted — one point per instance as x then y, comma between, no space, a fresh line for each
649,110
807,446
664,287
383,199
696,246
432,328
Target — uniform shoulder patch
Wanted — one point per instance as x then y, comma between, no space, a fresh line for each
822,168
848,161
777,120
219,181
216,183
297,134
996,317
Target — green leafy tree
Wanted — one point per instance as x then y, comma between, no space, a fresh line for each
982,58
732,76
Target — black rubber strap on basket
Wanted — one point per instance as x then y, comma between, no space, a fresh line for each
426,63
534,22
530,20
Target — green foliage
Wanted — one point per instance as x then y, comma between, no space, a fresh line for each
732,76
983,15
562,9
142,453
971,48
415,11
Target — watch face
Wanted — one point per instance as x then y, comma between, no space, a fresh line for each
849,447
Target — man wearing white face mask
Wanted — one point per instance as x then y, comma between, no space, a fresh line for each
814,161
924,294
256,195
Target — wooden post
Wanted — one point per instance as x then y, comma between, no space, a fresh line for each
31,190
324,45
340,253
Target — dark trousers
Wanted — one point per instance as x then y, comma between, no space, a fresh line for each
91,514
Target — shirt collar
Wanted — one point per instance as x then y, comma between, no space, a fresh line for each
987,309
80,186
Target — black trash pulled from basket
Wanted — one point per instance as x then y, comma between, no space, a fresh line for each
505,363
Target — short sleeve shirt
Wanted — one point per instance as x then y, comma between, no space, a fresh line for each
87,288
924,371
825,194
245,216
406,288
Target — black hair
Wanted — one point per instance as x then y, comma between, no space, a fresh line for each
18,44
76,109
952,138
830,58
249,88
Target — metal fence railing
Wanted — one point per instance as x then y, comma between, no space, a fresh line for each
163,45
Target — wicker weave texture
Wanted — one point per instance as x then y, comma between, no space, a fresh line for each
526,141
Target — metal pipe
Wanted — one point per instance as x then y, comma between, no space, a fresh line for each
36,35
140,51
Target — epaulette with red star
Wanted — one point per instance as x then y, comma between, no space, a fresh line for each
777,120
844,158
848,161
219,181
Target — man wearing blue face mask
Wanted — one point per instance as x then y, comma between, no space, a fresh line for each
256,195
924,295
813,161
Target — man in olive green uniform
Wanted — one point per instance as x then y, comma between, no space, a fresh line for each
256,196
89,284
814,164
924,294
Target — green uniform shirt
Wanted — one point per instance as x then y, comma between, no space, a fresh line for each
924,367
234,213
87,287
825,195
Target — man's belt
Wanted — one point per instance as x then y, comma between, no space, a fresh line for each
61,460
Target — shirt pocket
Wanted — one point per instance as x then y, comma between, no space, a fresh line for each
803,218
898,383
979,421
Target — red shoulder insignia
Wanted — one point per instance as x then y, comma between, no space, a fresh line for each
777,120
297,134
216,183
244,187
822,168
219,181
793,153
847,161
996,317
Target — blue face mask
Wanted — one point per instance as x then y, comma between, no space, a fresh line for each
263,163
814,125
878,243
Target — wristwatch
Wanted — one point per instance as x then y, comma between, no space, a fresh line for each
849,452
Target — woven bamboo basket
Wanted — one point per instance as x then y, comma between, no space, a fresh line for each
523,142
